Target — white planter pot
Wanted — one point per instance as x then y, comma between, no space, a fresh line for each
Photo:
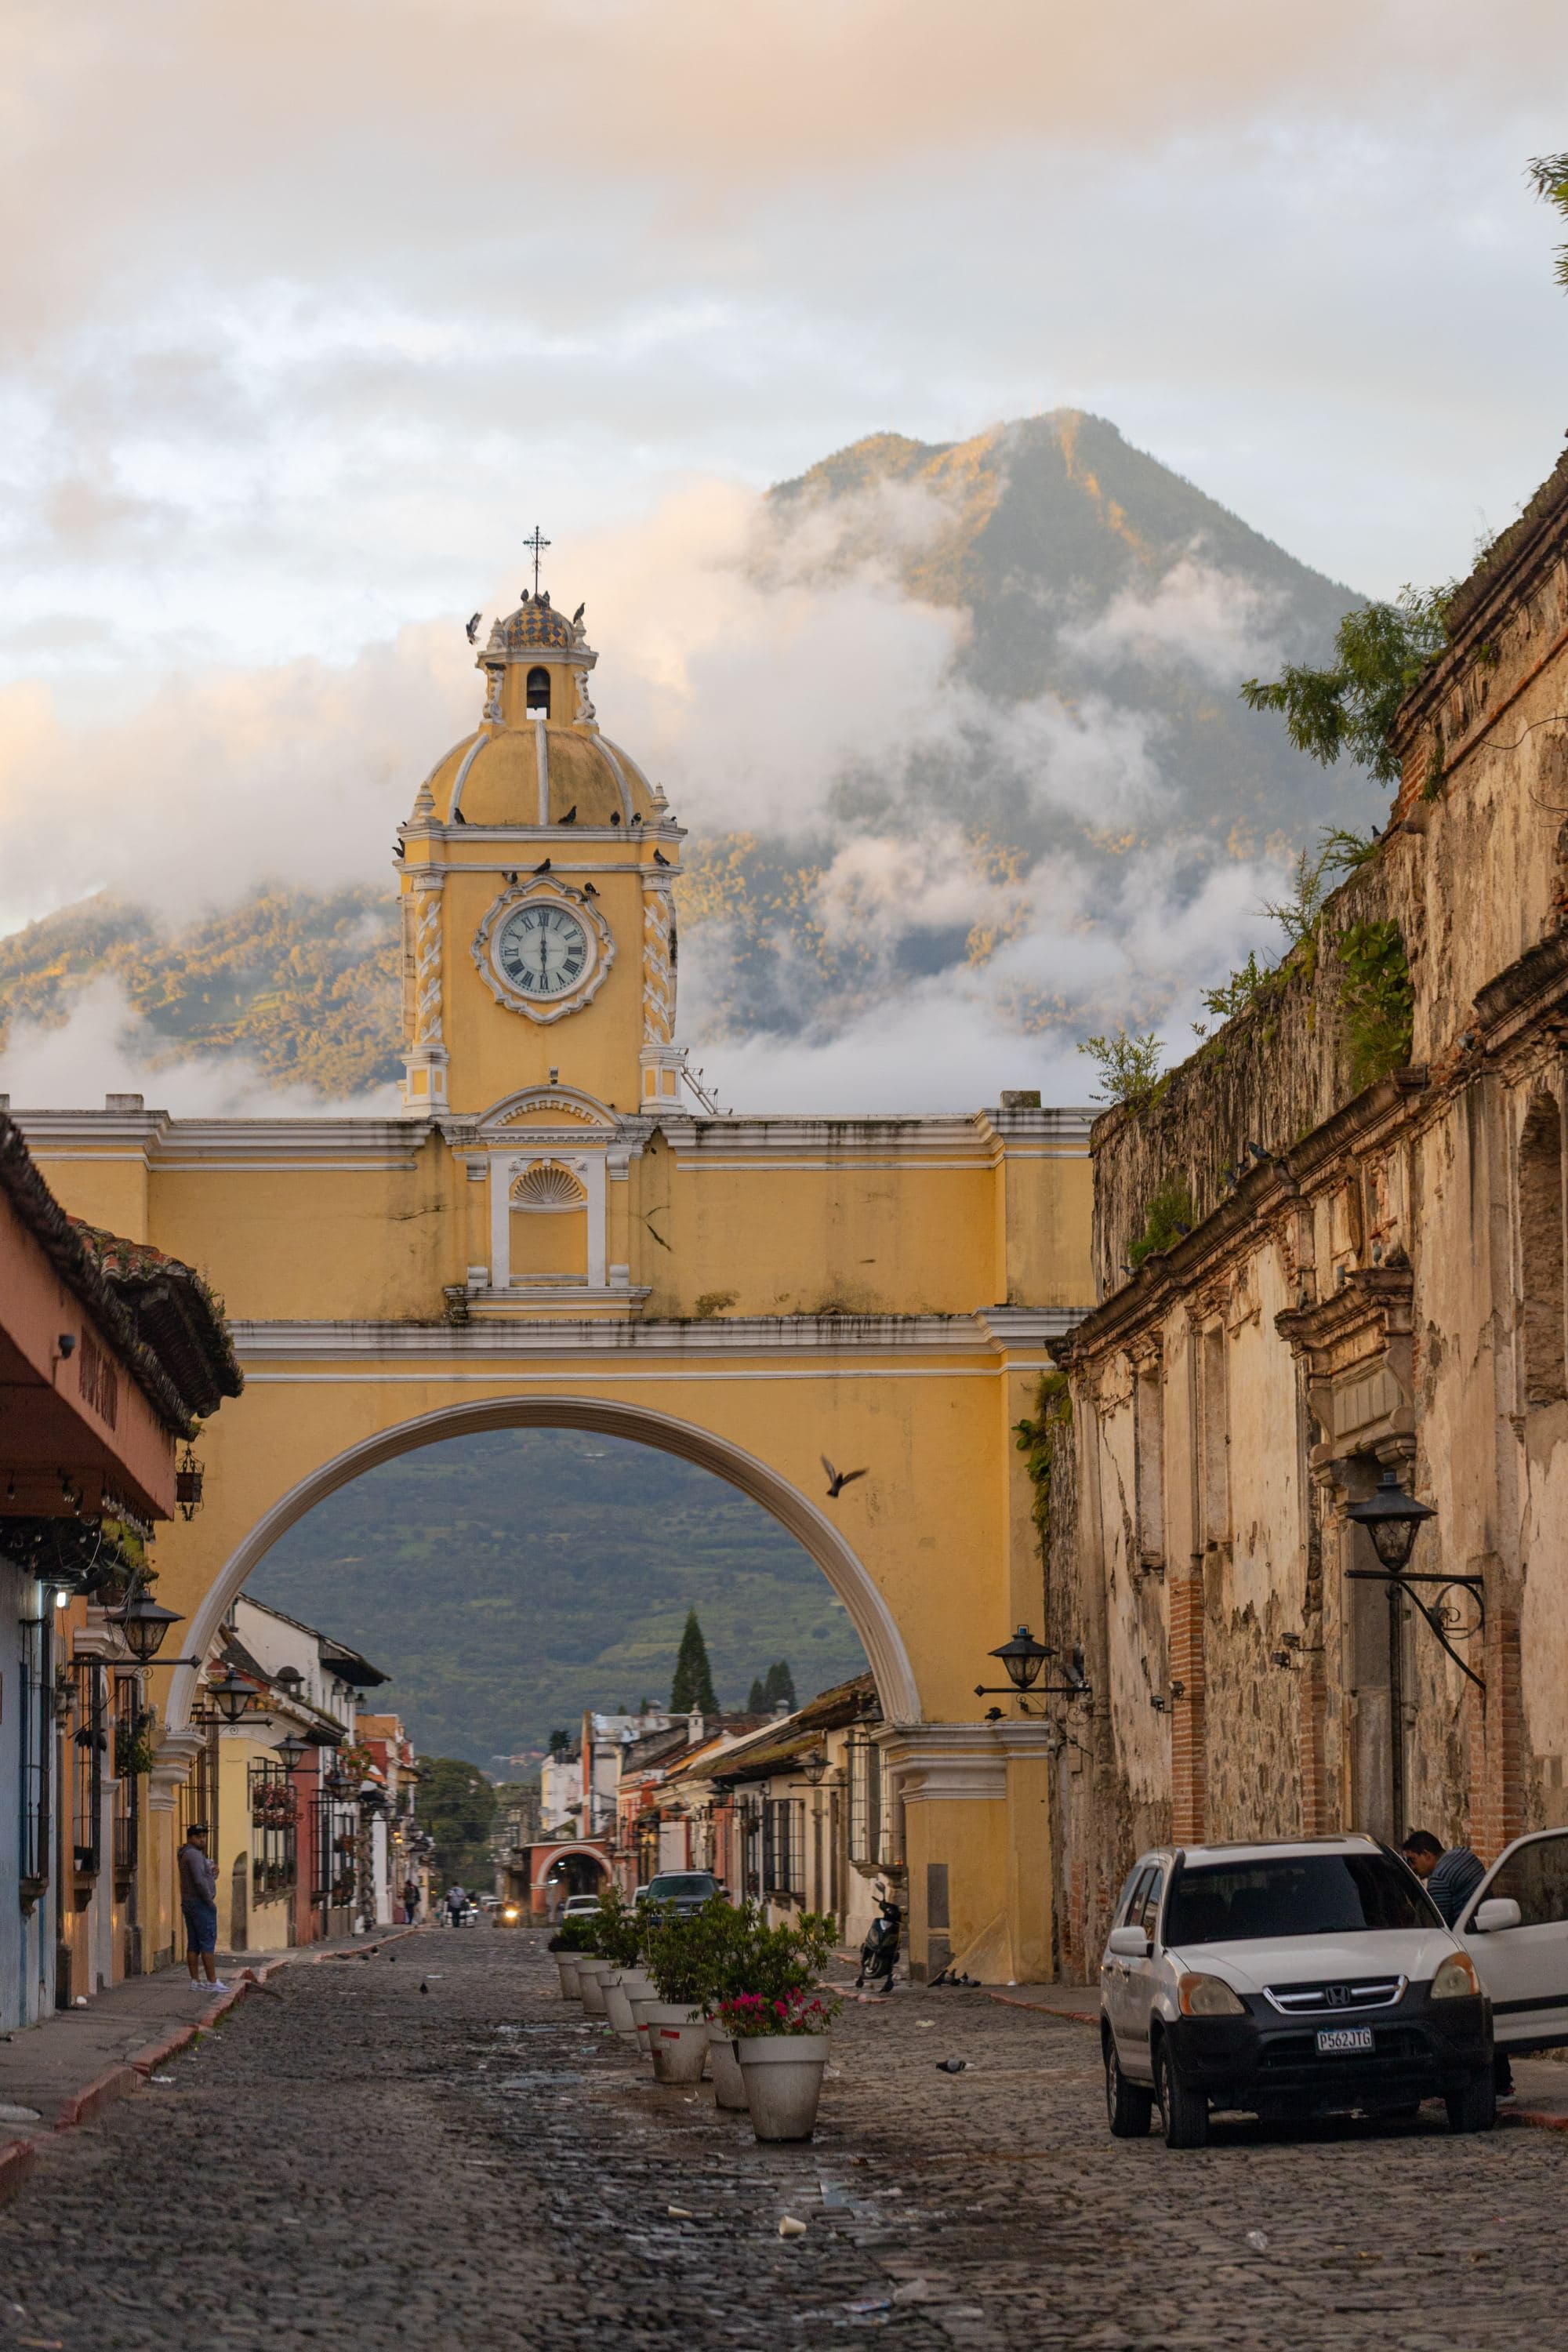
729,2083
679,2044
590,1971
782,2074
567,1970
643,2005
617,2002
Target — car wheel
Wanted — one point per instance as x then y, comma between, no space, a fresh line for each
1184,2113
1130,2107
1474,2108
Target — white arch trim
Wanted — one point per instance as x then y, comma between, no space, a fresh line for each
546,1856
869,1612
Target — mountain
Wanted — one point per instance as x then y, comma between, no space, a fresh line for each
507,1582
1089,718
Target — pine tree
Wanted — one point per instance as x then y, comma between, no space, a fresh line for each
779,1685
757,1696
691,1692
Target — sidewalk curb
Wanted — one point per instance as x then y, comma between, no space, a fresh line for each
1535,2117
17,2160
17,2157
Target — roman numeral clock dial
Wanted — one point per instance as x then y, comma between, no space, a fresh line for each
543,952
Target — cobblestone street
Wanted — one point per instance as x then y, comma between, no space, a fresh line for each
352,2161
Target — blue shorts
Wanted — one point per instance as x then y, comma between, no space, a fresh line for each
201,1925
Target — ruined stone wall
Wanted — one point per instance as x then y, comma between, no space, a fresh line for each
1268,1078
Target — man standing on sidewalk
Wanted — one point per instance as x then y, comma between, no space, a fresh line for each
198,1901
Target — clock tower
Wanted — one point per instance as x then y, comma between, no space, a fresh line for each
536,872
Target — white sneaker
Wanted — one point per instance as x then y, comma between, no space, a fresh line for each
217,1985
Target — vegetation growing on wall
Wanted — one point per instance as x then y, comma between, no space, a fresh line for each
1129,1066
1350,706
1377,999
1169,1216
1036,1438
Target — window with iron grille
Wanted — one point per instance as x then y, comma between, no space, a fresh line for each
750,1817
195,1801
274,1831
90,1740
783,1846
128,1717
867,1834
37,1743
333,1829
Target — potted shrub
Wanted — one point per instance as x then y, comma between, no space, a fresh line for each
572,1942
620,1935
779,2025
682,1960
734,1948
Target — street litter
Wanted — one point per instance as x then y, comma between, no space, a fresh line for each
1258,2240
680,2213
864,2302
160,2078
925,2023
789,2228
951,2065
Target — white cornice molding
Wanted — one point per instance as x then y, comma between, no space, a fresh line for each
833,1336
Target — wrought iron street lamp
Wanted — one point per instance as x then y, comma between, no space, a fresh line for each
814,1768
1391,1519
1023,1658
293,1750
144,1623
233,1694
188,1481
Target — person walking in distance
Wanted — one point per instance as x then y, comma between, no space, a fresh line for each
457,1904
198,1903
410,1900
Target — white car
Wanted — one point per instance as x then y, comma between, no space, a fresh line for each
581,1907
1309,1977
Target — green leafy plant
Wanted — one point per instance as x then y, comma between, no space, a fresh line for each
1129,1066
1036,1438
1349,706
769,1981
1377,999
1168,1216
619,1929
135,1750
1549,177
1253,984
576,1936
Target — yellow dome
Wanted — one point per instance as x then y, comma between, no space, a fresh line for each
538,774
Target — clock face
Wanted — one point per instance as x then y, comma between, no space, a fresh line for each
542,951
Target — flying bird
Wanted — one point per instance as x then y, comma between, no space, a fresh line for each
543,867
474,627
839,1479
571,815
659,858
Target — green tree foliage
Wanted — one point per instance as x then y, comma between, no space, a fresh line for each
1349,706
1549,176
1129,1066
768,1689
458,1806
691,1692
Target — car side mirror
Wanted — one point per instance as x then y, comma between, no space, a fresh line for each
1129,1944
1500,1911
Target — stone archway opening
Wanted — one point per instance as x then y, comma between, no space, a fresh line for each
799,1516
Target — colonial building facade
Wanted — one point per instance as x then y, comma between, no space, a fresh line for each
558,1230
1332,1246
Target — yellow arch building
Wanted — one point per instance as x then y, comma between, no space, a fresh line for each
552,1233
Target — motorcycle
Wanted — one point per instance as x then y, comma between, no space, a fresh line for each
879,1951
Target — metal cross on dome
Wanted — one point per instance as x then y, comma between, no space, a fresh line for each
538,543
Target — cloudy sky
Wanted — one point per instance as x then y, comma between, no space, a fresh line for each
313,309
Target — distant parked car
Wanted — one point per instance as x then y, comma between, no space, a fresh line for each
581,1907
680,1891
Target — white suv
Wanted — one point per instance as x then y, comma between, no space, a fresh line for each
1285,1979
